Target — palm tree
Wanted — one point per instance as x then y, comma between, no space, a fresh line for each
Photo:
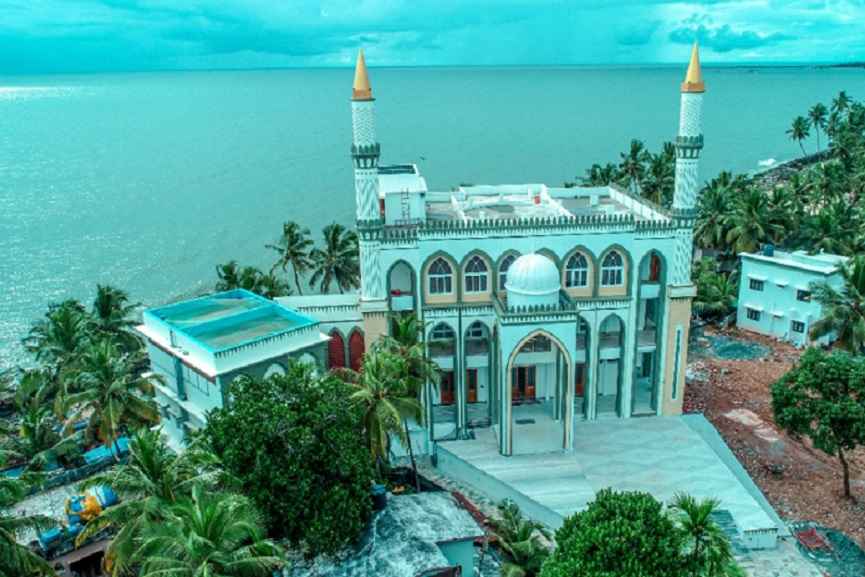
750,222
209,534
713,213
844,308
111,314
337,261
717,293
152,479
38,441
520,538
799,131
633,165
817,118
232,276
599,175
110,394
841,102
660,178
57,339
15,558
405,342
293,248
383,392
709,553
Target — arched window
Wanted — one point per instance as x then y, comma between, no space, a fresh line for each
274,369
612,270
336,350
476,275
442,332
355,350
503,270
577,271
440,277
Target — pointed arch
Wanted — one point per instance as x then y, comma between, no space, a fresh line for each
613,277
336,350
355,349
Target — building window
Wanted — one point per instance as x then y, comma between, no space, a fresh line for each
803,295
476,275
755,285
442,332
537,344
753,314
440,277
577,271
503,270
612,270
797,326
475,331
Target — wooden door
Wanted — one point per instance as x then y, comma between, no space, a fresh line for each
447,386
529,394
472,385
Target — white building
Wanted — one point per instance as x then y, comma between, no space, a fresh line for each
199,346
541,303
775,292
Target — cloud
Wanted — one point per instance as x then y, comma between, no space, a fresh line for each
725,39
639,34
104,35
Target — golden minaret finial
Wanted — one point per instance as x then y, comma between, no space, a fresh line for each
694,77
361,89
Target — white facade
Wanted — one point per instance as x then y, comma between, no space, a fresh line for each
199,346
596,324
775,292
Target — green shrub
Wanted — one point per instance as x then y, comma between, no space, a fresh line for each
295,443
618,535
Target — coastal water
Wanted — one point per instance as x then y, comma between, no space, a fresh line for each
147,181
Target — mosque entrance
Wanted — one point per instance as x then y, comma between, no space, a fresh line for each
537,378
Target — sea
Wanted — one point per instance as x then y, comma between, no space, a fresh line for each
147,181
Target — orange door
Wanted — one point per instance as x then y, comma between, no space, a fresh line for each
472,385
447,385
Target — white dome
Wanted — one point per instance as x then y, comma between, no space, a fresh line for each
533,275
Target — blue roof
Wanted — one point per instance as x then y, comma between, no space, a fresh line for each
230,319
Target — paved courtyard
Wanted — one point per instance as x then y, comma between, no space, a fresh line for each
660,455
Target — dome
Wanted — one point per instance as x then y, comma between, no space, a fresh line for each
533,279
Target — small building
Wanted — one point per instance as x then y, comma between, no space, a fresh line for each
200,346
775,292
419,535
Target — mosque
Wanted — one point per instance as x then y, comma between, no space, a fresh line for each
541,304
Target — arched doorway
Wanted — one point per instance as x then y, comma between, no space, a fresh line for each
441,345
401,287
355,349
537,380
611,338
644,393
336,350
478,374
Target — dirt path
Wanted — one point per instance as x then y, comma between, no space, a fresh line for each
802,483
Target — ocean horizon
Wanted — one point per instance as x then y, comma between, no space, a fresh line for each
148,180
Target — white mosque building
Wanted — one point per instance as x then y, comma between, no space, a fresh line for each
540,303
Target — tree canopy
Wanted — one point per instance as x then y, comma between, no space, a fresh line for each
293,442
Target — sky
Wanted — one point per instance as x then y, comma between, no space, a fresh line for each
63,36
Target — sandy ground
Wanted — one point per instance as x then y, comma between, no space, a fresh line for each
801,482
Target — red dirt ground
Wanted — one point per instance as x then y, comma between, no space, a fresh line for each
801,482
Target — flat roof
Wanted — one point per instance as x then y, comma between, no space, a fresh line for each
823,263
528,201
230,319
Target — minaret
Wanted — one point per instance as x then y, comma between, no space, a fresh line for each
689,143
365,154
364,150
681,290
